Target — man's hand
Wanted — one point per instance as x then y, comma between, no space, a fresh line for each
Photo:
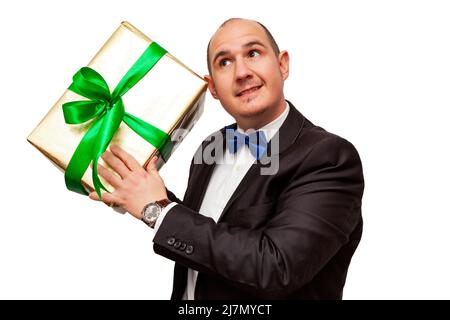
134,185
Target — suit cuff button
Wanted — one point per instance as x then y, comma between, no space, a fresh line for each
189,249
171,241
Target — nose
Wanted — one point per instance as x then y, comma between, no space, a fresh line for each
242,70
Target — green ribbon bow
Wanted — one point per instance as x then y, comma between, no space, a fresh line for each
106,110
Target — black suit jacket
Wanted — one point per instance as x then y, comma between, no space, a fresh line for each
290,235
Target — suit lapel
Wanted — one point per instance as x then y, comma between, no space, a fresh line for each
287,135
204,176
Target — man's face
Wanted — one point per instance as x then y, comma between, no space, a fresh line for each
246,74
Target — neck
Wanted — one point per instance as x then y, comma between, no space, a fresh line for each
262,119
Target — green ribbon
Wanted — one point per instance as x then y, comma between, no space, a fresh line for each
106,111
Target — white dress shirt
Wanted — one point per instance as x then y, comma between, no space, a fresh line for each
226,177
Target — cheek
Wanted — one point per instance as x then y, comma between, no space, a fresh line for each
272,72
223,85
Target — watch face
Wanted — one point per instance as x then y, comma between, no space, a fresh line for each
151,212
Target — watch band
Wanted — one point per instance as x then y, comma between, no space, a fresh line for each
163,203
150,220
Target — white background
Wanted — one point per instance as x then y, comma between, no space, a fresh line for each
374,72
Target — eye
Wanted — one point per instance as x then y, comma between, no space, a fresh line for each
253,53
224,62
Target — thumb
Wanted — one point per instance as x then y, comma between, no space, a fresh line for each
151,166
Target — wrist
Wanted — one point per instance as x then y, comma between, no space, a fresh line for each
151,211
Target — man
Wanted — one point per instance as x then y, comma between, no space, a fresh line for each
239,233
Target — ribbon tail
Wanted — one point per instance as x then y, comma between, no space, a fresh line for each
110,123
81,159
155,136
98,185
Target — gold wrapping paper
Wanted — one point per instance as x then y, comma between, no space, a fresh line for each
169,97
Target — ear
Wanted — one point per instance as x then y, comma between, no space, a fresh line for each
211,86
283,59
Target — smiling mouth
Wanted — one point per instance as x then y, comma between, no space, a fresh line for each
248,91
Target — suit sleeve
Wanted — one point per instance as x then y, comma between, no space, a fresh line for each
315,215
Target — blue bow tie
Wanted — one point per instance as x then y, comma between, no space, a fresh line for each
255,141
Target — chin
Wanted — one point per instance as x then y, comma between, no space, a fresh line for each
253,106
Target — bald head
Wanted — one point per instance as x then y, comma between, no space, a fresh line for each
271,39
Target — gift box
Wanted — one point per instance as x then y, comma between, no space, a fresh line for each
133,94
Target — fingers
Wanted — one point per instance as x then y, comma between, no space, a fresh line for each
109,176
107,198
126,158
151,166
94,196
116,164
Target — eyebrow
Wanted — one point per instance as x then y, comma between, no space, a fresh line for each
253,43
247,45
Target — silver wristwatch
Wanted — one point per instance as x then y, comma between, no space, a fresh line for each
151,211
